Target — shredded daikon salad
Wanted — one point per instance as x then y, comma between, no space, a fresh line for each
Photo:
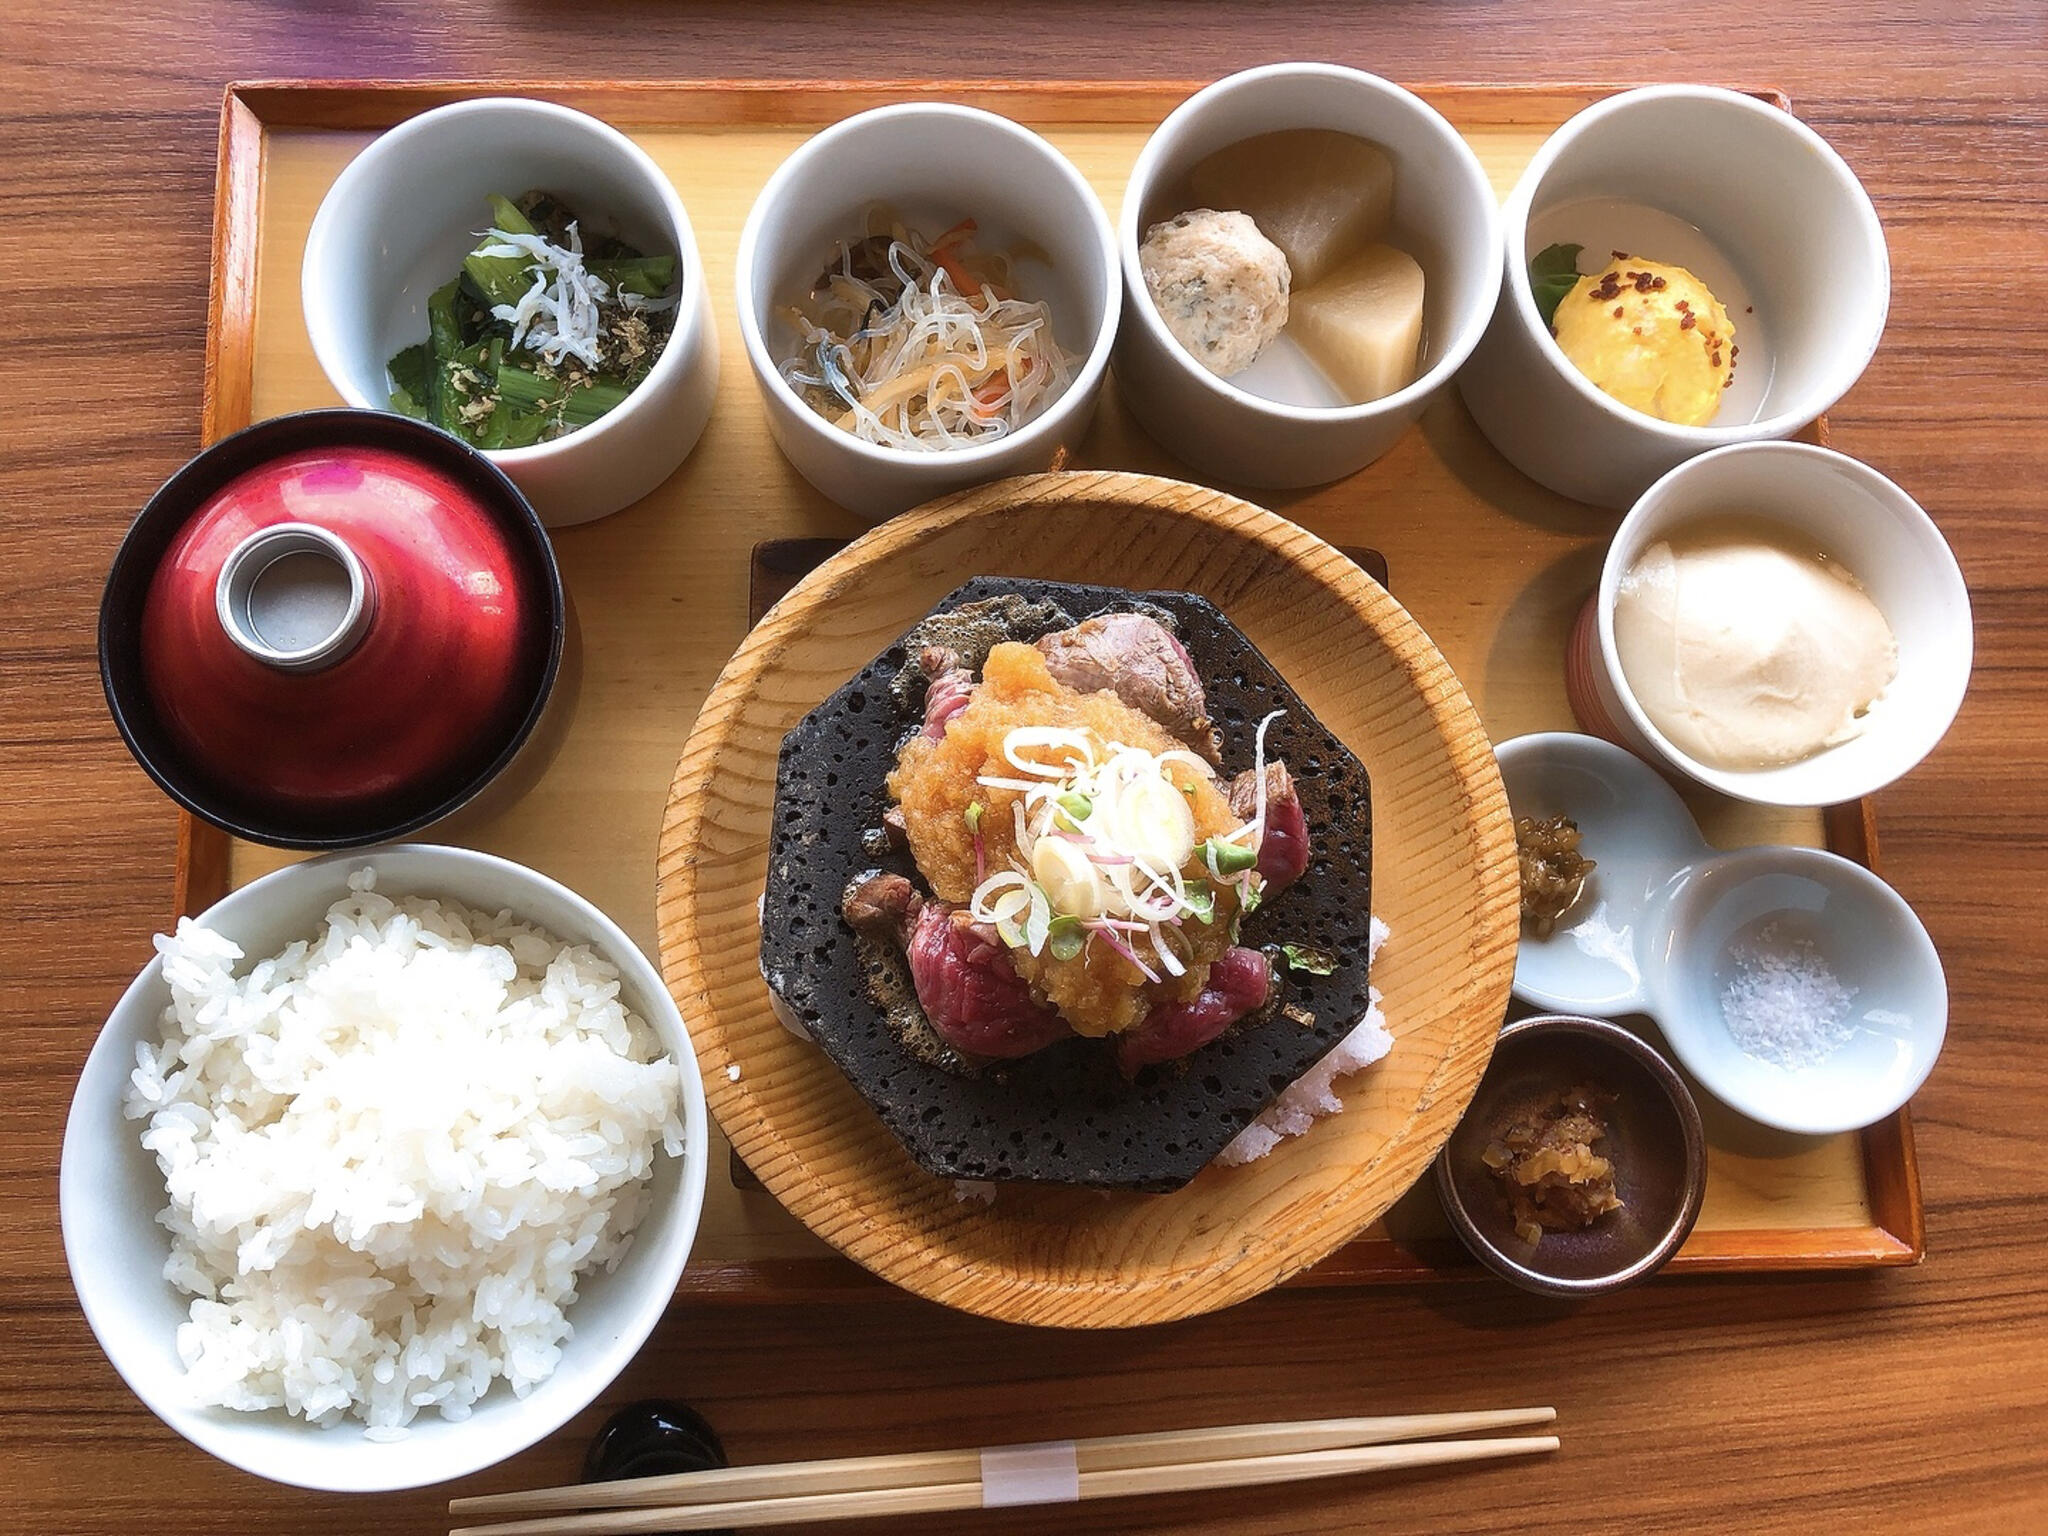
1104,840
921,345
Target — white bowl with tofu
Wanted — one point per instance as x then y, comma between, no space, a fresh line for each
1387,231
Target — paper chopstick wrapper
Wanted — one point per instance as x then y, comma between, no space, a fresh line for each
1048,1472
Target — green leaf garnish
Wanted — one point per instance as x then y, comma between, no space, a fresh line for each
1076,806
1308,959
974,816
1553,273
1199,900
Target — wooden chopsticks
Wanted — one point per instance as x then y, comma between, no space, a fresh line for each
1111,1466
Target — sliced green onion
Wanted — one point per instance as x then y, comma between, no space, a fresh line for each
1076,805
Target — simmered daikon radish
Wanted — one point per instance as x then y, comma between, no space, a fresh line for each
1362,325
1318,195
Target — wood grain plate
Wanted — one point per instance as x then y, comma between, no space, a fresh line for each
1444,880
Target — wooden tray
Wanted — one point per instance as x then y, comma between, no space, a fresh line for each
1493,567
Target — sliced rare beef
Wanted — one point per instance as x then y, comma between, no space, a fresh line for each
1238,983
952,685
969,991
1283,850
1139,660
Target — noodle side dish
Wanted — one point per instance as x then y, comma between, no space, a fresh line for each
922,344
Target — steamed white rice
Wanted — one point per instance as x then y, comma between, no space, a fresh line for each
391,1152
1314,1094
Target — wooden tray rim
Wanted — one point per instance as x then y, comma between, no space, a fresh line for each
251,109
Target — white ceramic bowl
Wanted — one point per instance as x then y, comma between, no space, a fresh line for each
401,216
1897,1017
110,1191
1879,534
932,164
1743,194
1445,216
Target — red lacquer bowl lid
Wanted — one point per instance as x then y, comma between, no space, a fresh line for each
324,636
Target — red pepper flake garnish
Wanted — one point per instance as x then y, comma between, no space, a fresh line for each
1621,255
1617,311
1688,321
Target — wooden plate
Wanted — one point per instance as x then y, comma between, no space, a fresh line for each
1444,879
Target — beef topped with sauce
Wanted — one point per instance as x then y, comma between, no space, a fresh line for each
986,961
1087,867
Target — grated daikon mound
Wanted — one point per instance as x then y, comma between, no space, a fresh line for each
392,1152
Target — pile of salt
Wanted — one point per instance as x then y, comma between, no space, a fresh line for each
1782,1001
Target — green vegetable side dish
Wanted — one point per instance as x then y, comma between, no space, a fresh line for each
540,332
1553,273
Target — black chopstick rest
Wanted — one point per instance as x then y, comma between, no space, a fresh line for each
653,1438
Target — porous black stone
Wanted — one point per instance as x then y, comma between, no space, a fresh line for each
1064,1115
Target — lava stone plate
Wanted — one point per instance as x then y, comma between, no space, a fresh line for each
1063,1115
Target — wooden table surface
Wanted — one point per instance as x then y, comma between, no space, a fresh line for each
1895,1400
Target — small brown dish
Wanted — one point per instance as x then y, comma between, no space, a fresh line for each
1653,1139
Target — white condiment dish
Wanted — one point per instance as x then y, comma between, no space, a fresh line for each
1445,216
401,216
931,164
1894,1021
1637,832
1652,934
1752,201
110,1190
1878,534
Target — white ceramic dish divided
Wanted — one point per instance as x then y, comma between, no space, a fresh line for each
1445,216
1879,535
1747,197
1663,918
931,164
401,216
110,1190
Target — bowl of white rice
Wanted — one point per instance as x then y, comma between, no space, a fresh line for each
383,1168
